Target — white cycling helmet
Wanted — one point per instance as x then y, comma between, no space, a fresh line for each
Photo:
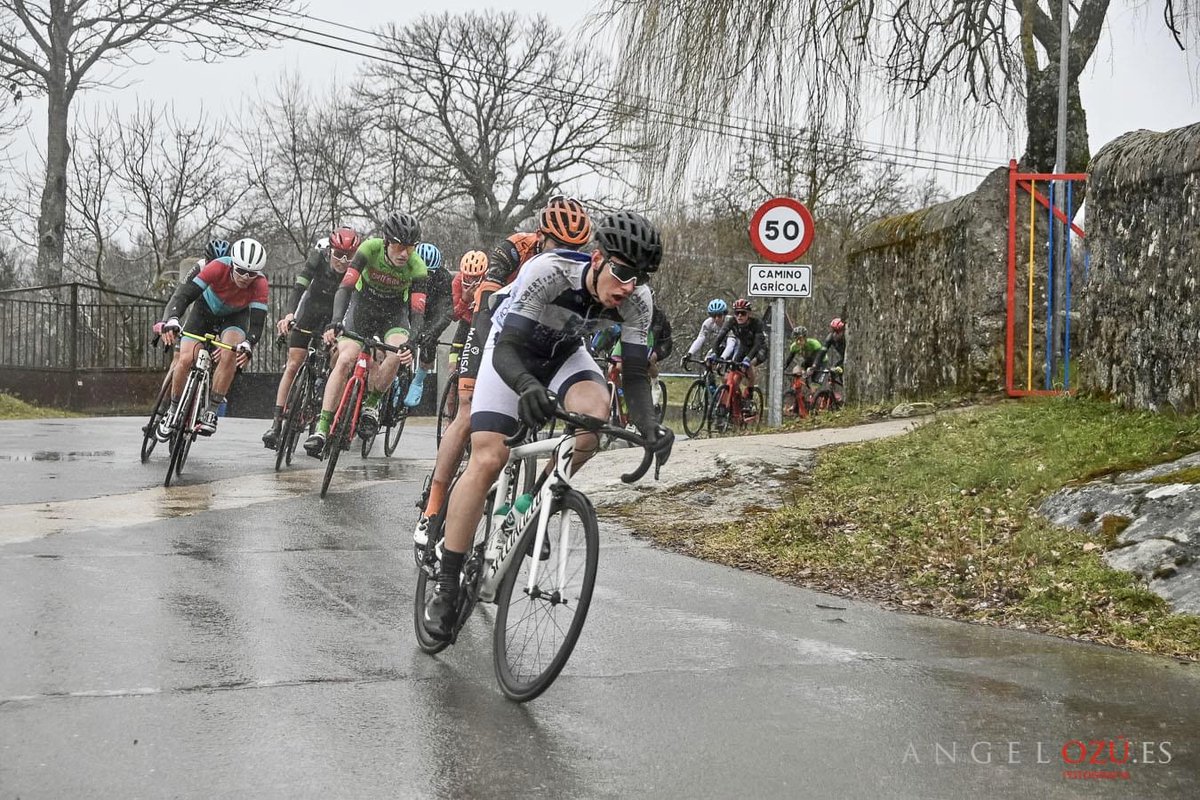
248,254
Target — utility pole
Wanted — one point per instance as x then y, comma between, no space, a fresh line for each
1058,242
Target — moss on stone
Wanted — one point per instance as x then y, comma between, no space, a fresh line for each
1111,527
1187,475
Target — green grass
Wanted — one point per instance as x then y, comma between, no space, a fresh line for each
12,408
941,520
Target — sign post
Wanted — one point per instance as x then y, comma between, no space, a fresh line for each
781,230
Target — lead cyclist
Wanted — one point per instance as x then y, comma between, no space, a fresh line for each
536,346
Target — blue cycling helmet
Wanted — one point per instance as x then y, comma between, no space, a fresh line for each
430,255
217,248
717,306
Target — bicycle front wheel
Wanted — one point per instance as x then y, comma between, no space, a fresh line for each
720,417
758,402
289,431
339,435
536,630
448,406
695,405
397,414
150,432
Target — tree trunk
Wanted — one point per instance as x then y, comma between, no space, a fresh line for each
53,217
1041,119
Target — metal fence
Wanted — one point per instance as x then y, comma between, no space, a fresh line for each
79,326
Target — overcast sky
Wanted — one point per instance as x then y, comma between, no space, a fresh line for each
1138,78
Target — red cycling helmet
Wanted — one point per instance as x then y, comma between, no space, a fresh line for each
837,326
741,304
344,239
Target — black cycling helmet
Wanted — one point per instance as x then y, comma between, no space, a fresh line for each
632,237
217,248
401,227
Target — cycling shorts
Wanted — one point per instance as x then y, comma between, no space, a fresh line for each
495,405
201,320
369,319
315,318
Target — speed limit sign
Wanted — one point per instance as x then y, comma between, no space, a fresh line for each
781,230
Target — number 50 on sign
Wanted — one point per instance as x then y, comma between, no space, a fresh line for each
781,230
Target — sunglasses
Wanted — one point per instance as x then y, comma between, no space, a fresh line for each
626,273
741,313
343,255
245,273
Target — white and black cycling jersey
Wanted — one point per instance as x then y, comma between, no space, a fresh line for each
707,336
553,312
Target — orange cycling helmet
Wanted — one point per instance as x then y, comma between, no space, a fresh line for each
564,219
474,264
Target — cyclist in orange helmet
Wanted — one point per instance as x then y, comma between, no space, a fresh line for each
563,224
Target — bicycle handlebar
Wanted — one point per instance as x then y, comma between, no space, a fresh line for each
375,343
598,427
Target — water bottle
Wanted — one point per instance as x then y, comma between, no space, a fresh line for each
416,388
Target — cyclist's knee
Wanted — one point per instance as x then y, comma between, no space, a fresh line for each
488,453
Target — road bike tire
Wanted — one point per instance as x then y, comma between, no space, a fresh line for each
289,429
823,401
182,434
161,405
719,417
385,403
695,409
337,435
399,415
759,401
425,642
447,406
660,408
535,634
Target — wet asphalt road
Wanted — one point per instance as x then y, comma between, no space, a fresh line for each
237,637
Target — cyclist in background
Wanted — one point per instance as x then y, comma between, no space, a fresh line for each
471,269
812,353
310,308
835,342
439,303
537,347
234,307
382,294
563,225
745,341
607,342
707,337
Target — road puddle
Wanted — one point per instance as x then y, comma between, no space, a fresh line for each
27,521
54,455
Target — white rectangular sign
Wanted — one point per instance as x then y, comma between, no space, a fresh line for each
779,280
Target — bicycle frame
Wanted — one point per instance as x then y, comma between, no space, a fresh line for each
615,402
362,366
733,380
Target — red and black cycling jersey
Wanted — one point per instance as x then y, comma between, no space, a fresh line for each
750,334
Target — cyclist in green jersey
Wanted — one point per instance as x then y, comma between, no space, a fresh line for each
382,294
811,352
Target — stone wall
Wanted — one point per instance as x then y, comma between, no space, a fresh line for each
1140,321
926,305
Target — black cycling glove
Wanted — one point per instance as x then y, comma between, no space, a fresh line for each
535,405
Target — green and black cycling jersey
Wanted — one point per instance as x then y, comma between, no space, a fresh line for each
381,284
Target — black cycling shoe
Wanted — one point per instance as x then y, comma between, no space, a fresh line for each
315,444
441,609
270,439
368,422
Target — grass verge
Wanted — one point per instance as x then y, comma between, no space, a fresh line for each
12,408
942,521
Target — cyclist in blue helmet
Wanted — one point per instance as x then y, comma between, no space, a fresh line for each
439,303
717,309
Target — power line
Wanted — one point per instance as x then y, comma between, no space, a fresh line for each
665,108
593,102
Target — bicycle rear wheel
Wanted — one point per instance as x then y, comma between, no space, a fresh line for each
397,415
426,574
339,434
720,420
823,401
536,630
150,431
695,406
289,431
385,419
447,406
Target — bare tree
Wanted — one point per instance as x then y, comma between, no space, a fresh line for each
999,55
92,223
497,110
305,161
57,47
178,182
